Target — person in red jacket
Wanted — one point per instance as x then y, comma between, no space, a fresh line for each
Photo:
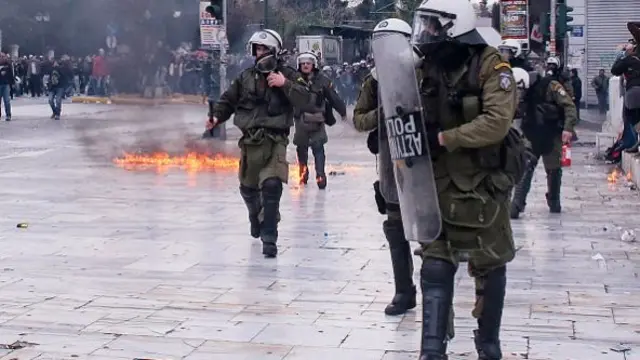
99,73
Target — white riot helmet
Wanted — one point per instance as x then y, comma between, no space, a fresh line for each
522,78
307,56
397,26
393,25
269,38
510,47
326,68
552,60
436,21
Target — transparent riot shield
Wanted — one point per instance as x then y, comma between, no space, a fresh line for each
404,124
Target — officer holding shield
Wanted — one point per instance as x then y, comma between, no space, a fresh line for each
469,98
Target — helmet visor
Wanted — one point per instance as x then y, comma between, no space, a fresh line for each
427,29
507,51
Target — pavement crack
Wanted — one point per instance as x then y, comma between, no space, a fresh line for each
343,340
83,305
365,264
569,298
573,330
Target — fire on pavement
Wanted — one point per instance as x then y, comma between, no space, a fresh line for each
196,162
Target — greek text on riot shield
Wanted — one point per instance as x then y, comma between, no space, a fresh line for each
404,125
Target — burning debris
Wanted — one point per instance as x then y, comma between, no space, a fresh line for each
195,161
616,174
190,162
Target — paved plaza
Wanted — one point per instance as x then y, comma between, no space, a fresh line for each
120,264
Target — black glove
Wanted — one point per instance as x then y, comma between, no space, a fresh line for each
432,138
372,142
380,202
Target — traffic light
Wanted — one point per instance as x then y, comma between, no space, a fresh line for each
545,22
216,10
563,18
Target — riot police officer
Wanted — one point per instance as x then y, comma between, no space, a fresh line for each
365,118
468,92
310,119
560,74
548,122
263,99
512,50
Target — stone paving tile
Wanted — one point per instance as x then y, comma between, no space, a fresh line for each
118,264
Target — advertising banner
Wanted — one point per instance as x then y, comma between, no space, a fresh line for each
514,20
213,34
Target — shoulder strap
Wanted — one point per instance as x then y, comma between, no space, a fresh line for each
473,75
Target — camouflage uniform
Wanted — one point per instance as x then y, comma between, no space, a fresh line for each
560,115
473,188
265,116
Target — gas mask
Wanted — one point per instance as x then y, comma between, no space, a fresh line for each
266,63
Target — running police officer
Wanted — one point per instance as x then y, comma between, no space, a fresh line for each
263,99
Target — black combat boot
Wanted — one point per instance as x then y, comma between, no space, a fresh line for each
519,200
487,336
554,181
251,198
436,281
320,158
303,159
402,263
271,194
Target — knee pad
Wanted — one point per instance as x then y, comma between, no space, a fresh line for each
245,190
394,232
496,276
437,271
272,187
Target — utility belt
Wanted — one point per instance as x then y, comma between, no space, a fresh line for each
258,132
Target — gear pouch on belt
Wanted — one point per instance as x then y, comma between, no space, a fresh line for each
469,218
312,121
470,108
257,149
514,155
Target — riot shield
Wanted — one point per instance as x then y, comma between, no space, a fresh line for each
405,130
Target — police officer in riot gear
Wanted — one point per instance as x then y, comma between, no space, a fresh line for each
469,96
559,73
263,98
512,50
365,118
310,119
548,123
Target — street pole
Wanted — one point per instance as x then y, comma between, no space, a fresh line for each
223,64
266,13
552,29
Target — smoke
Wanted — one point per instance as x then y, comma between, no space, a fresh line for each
168,129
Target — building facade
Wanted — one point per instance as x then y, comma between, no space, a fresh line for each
599,26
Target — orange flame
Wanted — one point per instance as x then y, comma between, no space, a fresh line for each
613,177
194,162
191,162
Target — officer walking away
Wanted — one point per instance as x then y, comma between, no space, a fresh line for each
469,96
311,118
511,49
549,121
7,80
263,99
